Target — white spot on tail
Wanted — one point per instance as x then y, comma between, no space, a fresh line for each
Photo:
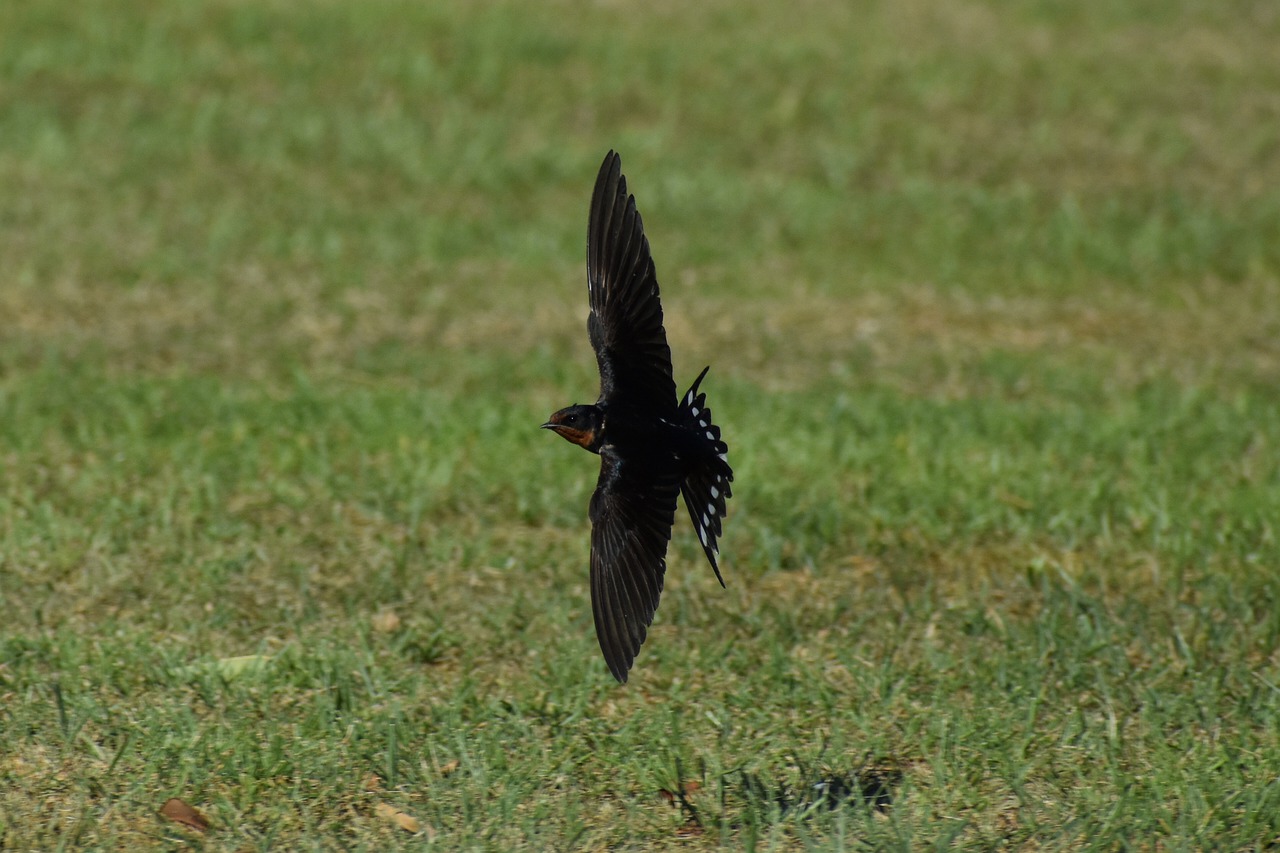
702,534
715,493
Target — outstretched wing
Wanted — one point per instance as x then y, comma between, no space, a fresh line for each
632,512
625,324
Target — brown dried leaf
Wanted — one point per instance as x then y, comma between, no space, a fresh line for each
449,767
408,823
179,812
385,621
686,788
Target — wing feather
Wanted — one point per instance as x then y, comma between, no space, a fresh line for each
625,324
632,512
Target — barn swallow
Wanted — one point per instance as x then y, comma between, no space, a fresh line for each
652,444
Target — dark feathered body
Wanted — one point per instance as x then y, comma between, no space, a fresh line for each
651,445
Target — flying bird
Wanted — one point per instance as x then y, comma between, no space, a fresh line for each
652,444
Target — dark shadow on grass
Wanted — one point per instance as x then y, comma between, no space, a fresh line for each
872,786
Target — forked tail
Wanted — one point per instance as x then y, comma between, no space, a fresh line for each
706,487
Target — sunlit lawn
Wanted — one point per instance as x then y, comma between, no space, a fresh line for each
991,295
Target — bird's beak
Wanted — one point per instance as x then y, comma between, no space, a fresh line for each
547,425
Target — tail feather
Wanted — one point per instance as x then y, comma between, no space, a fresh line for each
706,488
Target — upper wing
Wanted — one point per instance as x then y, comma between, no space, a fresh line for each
632,512
625,324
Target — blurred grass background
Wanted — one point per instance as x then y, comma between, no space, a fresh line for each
989,291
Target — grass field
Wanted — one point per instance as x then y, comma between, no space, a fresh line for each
991,295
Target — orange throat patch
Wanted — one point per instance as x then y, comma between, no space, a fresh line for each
581,437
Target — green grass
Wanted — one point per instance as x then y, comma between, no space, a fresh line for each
989,291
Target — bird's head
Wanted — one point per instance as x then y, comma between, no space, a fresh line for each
582,425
